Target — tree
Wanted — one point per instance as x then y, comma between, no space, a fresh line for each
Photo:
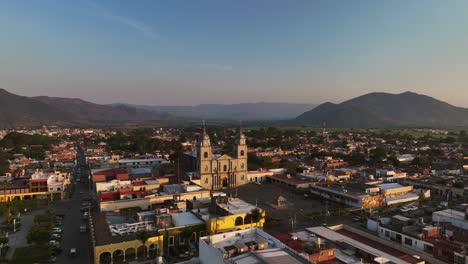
143,237
255,216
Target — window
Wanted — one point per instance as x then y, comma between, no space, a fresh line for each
205,155
181,240
225,167
408,241
242,153
171,241
242,165
387,234
242,177
206,167
206,180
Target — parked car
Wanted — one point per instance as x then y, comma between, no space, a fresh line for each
55,236
53,243
83,229
56,230
73,252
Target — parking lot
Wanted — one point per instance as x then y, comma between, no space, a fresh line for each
303,211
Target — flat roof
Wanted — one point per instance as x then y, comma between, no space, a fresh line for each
337,237
185,219
139,160
237,206
452,214
389,186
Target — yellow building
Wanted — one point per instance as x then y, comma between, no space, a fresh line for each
227,214
234,222
117,248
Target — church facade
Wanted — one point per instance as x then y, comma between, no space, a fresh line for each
221,171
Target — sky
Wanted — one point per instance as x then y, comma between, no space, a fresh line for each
179,52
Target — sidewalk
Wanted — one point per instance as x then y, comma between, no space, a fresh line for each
19,239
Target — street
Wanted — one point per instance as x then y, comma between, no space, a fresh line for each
71,236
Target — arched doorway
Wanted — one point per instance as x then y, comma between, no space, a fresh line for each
239,221
105,258
130,254
152,251
141,251
225,182
117,256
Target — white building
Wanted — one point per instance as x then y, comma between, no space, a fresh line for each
138,163
456,218
246,246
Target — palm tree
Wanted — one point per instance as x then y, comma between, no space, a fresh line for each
143,236
255,216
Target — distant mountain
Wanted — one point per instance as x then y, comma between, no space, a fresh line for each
243,111
16,111
386,110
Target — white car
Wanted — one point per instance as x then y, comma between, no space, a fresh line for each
55,236
56,230
73,252
53,243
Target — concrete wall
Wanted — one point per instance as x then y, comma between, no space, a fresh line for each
144,203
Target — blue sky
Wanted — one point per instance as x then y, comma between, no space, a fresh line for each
230,51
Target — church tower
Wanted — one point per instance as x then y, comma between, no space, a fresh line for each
204,153
240,153
240,146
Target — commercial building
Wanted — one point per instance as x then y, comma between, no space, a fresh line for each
363,195
246,246
357,247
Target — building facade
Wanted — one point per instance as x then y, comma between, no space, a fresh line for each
221,171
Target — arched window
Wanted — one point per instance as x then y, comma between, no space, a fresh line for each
242,153
205,155
242,165
225,167
239,221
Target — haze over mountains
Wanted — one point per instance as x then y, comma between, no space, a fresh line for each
370,110
243,111
386,110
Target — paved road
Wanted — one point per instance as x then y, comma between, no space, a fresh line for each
71,236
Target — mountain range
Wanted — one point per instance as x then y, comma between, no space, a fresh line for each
22,111
372,110
385,110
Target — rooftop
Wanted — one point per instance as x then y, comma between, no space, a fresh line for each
237,206
272,252
185,219
364,244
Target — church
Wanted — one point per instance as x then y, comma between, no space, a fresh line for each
221,171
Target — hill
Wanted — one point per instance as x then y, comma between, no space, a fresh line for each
22,111
386,110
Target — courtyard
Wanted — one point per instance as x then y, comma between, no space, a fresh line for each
302,210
